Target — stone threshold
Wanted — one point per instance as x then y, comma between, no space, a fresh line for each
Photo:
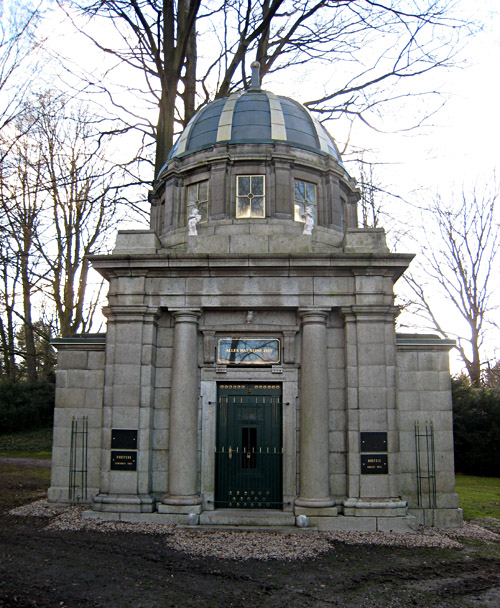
268,520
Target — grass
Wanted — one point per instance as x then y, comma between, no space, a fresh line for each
478,496
28,443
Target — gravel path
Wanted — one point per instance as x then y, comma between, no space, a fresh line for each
25,461
244,545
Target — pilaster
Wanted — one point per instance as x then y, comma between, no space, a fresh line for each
128,404
370,346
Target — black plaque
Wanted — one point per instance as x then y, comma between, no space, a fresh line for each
248,351
124,439
374,464
373,442
123,461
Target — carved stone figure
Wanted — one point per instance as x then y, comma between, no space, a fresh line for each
193,221
309,220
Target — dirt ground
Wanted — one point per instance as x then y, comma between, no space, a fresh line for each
42,568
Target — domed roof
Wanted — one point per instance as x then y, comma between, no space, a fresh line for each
254,116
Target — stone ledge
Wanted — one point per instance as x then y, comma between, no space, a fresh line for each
136,242
59,495
316,511
438,518
365,240
178,509
123,503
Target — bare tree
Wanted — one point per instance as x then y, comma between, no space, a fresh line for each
9,271
369,203
458,273
81,200
21,208
492,375
158,39
19,56
57,204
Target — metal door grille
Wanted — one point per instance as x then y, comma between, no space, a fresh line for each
248,453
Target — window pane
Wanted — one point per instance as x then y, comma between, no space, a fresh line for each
258,206
203,209
310,193
305,196
299,212
197,195
243,207
243,186
192,194
258,185
203,191
299,190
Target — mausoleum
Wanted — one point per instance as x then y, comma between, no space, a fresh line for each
251,373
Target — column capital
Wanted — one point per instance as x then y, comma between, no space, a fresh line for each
370,313
185,315
128,314
318,316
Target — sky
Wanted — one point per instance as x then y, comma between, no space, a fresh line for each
460,145
457,145
456,149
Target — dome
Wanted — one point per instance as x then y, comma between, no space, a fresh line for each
253,172
254,116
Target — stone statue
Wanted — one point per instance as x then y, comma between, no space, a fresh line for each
193,221
309,220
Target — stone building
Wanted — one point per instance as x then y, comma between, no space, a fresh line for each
250,372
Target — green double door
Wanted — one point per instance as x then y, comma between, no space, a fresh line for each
248,463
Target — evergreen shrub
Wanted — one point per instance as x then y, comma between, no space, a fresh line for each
476,428
25,405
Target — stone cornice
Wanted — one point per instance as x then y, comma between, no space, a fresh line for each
315,264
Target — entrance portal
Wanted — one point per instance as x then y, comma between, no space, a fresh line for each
248,463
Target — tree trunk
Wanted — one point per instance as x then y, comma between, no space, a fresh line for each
165,128
29,335
189,95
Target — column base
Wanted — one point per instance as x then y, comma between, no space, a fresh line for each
316,508
124,503
315,503
176,500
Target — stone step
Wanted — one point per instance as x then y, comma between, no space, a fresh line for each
247,517
246,529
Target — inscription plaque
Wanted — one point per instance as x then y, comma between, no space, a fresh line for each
124,439
374,464
248,351
123,461
374,442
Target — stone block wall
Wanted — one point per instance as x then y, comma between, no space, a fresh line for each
79,396
424,398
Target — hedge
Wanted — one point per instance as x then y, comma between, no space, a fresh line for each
476,428
25,405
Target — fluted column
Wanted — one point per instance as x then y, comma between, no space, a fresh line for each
314,448
183,433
